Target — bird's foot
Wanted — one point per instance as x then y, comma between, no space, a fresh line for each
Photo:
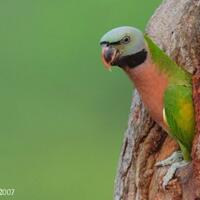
171,171
177,156
176,161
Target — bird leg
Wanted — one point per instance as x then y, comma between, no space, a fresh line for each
172,170
175,157
176,161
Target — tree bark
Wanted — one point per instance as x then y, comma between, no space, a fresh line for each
175,27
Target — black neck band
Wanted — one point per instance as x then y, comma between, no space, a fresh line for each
133,60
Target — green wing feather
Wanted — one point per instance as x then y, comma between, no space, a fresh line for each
178,103
179,114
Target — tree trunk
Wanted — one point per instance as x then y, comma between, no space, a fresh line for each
175,27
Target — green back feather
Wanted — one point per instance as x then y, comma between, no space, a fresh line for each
166,65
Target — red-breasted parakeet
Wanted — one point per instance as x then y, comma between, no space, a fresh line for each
165,87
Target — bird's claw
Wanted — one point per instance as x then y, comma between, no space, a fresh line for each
176,161
175,157
171,171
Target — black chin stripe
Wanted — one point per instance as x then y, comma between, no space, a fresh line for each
133,60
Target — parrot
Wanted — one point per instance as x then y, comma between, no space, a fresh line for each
164,87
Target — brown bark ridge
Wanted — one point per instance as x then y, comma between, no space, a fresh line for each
175,27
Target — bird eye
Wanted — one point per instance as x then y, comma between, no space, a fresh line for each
126,40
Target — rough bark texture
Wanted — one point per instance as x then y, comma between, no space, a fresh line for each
175,27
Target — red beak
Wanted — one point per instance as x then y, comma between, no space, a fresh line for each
108,56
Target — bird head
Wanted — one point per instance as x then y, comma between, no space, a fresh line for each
123,47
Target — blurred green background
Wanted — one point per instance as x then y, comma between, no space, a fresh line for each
62,114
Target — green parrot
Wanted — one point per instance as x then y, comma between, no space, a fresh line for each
165,88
